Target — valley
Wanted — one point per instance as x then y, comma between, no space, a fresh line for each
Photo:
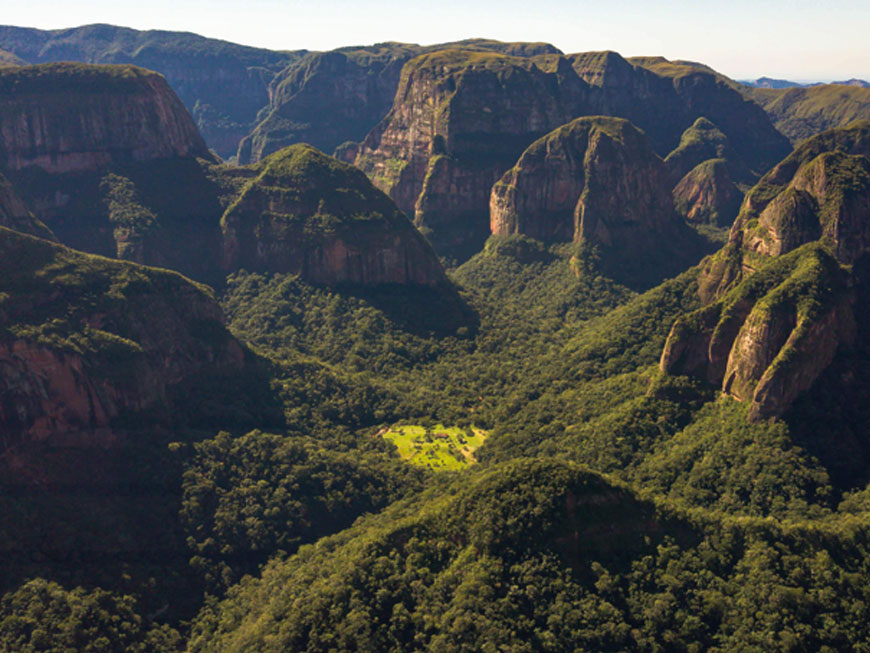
472,346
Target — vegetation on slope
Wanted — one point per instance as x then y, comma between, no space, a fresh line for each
803,112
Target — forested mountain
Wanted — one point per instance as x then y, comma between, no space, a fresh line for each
624,410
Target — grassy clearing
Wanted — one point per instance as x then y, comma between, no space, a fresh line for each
438,447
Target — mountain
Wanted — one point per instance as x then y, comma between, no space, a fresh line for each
708,195
768,82
87,339
461,119
595,181
110,160
308,214
803,112
152,195
72,117
222,84
528,526
780,297
356,83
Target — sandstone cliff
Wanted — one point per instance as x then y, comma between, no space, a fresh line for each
460,119
707,194
15,215
73,118
700,142
770,337
309,214
821,190
328,98
779,297
222,84
85,341
595,180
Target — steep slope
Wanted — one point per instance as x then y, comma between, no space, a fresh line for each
111,161
357,84
596,181
460,119
822,190
770,338
222,84
422,575
438,152
73,118
15,215
780,298
700,142
9,59
309,214
87,339
708,195
803,112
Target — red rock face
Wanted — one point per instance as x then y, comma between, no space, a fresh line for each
138,343
459,121
481,112
97,116
326,224
707,195
594,180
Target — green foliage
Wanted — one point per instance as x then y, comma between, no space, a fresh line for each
58,78
247,498
43,616
543,556
124,205
801,113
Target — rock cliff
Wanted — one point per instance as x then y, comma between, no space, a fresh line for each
595,180
707,194
222,84
460,119
85,341
73,118
700,142
357,84
770,337
309,214
15,215
780,298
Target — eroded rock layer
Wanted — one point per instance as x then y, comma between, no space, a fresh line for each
309,214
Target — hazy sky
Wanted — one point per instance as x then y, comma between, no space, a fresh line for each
795,39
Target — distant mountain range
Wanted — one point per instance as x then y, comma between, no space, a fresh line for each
769,82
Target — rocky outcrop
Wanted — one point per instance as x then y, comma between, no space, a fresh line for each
356,84
308,214
769,338
594,179
86,340
780,296
460,119
71,118
829,197
699,143
222,84
15,215
707,195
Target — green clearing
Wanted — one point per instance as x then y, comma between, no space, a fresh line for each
438,447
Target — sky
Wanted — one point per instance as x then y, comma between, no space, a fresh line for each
799,40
